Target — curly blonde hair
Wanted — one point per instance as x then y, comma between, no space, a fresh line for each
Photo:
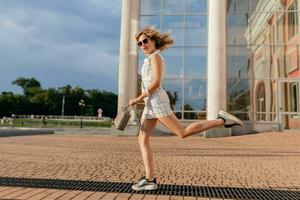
162,40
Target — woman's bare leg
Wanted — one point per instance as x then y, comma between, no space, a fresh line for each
144,141
174,125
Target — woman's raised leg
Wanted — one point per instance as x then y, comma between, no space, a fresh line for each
174,125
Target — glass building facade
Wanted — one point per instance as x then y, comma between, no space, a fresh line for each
263,57
186,61
263,60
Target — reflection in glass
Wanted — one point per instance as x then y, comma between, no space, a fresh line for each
236,28
293,121
267,63
196,6
195,61
238,62
173,88
196,30
294,97
176,25
280,28
238,5
264,99
289,102
292,16
280,68
178,115
260,94
194,115
261,28
174,62
239,97
292,55
262,61
150,7
254,4
150,21
173,6
195,95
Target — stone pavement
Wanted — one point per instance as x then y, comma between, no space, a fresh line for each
260,161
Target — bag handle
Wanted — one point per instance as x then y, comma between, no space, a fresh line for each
135,112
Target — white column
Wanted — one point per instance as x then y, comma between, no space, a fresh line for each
216,59
128,52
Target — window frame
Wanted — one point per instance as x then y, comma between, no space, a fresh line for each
292,20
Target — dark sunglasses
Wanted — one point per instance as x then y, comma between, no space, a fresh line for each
145,41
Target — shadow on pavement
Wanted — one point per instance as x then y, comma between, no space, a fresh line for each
164,189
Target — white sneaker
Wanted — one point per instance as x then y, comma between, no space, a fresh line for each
229,120
145,184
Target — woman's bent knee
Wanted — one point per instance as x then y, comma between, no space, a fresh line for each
181,134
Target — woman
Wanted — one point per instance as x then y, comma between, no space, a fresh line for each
157,105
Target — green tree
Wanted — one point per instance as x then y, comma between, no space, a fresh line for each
173,99
26,84
107,101
37,100
52,101
189,115
12,104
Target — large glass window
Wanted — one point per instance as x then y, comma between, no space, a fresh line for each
196,30
153,20
195,62
174,90
176,25
186,60
150,7
195,94
196,6
262,48
173,7
238,61
174,62
238,5
236,28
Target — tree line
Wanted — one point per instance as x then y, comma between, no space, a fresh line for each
38,101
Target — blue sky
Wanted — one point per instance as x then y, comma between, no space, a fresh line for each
60,42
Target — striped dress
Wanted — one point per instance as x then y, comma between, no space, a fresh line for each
157,104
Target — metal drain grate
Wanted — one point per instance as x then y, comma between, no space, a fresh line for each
164,189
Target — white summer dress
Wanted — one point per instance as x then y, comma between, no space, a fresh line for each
158,103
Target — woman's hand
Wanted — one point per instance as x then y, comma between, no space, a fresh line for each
134,101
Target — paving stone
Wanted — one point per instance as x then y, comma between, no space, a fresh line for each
163,197
69,195
17,193
42,195
109,196
266,160
137,197
30,194
150,197
96,195
9,191
123,196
